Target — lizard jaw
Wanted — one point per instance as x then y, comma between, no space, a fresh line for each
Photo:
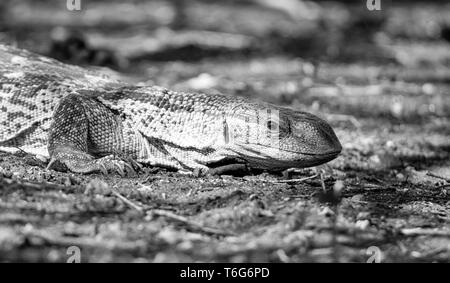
271,159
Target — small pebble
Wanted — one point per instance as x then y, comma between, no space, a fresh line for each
357,198
390,144
53,255
400,176
185,245
203,81
338,187
308,68
402,190
416,254
428,89
326,212
362,224
363,215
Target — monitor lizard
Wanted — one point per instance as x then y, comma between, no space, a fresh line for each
92,123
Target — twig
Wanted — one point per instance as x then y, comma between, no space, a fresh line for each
91,242
442,186
127,201
40,186
322,182
192,224
427,232
437,176
21,150
172,216
296,180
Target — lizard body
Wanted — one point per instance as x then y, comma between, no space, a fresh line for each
93,123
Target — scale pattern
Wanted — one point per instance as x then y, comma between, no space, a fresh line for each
90,122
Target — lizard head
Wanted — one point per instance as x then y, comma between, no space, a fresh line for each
274,138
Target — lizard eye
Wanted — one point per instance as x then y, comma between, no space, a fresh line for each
272,125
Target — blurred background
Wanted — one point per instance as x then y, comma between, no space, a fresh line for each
168,42
270,49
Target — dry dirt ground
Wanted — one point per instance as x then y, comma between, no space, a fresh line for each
387,197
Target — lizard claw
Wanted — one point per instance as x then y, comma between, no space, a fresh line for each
136,165
130,168
125,166
81,162
119,168
103,169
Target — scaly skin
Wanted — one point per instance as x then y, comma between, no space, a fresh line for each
91,123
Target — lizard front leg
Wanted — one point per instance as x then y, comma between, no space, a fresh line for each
81,129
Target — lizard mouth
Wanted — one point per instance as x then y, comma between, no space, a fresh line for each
318,159
331,153
292,159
